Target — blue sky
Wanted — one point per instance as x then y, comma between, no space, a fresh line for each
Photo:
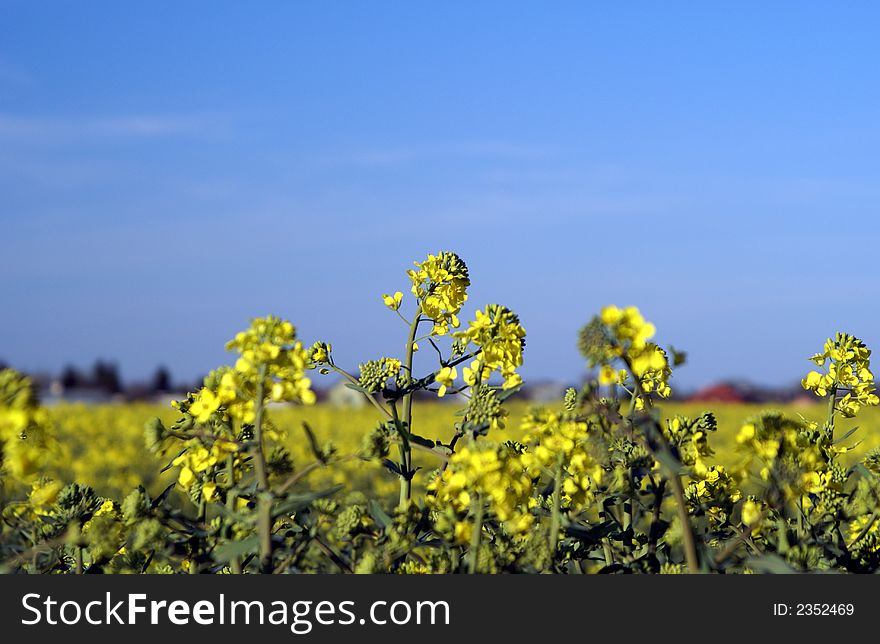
169,170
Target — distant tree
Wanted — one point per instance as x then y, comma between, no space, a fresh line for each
161,380
105,376
71,378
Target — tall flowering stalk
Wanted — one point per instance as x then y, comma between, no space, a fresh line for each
491,344
618,342
227,434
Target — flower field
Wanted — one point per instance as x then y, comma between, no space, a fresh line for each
103,445
445,469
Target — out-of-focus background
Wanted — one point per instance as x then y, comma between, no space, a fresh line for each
170,170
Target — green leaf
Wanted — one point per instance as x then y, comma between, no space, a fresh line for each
770,564
159,500
313,443
421,440
665,458
378,514
504,394
845,436
171,462
295,502
591,534
392,466
234,515
862,470
230,550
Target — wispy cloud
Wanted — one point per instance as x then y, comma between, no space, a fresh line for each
407,155
29,170
36,129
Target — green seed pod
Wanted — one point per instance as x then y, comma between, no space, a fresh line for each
377,443
146,533
154,432
135,506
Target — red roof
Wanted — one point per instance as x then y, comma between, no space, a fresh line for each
718,393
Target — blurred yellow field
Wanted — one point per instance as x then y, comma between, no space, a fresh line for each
103,445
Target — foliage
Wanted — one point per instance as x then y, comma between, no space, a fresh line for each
607,481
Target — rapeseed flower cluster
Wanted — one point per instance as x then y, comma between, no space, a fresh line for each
618,342
753,513
631,334
714,491
393,302
271,360
43,495
320,353
24,427
271,344
440,284
558,444
849,371
270,368
690,437
488,475
198,459
863,533
375,374
484,411
496,331
795,462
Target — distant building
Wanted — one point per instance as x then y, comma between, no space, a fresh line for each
543,392
341,396
87,395
738,391
723,392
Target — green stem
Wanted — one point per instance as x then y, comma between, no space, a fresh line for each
556,514
231,500
674,478
629,513
690,546
801,527
264,497
606,550
199,541
408,363
474,551
406,450
264,528
742,537
832,400
654,530
79,560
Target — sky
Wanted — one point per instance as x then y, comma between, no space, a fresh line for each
170,170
